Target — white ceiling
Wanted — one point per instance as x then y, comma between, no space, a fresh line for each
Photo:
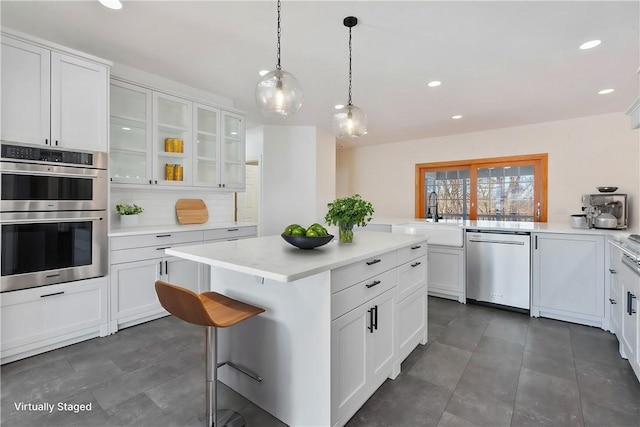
502,64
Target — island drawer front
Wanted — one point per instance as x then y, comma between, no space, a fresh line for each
230,233
411,276
141,254
408,253
356,295
343,277
155,239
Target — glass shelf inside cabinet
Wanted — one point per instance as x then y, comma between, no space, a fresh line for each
127,164
128,104
207,171
128,134
207,146
172,114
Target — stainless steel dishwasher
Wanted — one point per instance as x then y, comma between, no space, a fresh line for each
498,268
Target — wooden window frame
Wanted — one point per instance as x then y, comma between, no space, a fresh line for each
539,161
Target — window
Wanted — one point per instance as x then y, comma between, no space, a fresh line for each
502,189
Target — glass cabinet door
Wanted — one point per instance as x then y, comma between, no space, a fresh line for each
172,140
232,154
130,132
206,122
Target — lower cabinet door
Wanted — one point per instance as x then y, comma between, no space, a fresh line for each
41,319
383,339
412,322
183,273
349,365
446,272
133,293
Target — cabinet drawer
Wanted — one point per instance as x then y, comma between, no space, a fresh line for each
140,254
414,251
348,275
411,276
44,316
358,294
230,233
156,239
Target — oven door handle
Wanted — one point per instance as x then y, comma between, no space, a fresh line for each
92,175
38,221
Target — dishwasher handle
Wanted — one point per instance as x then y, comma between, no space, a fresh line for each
501,242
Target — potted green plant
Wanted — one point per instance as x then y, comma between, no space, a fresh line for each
128,214
348,212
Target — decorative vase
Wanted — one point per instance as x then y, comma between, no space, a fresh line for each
346,233
128,220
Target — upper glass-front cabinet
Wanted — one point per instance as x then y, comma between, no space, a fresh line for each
172,139
165,140
130,130
207,146
233,152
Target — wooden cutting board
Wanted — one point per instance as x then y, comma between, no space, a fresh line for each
192,211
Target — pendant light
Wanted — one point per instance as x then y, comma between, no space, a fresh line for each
349,122
279,93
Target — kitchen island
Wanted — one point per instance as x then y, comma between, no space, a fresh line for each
339,319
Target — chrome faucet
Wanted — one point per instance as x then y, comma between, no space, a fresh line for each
433,205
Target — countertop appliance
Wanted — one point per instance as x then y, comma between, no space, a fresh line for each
606,210
53,216
498,268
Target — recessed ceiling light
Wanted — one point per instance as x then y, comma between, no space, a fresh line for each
263,73
590,44
605,91
111,4
434,83
456,117
338,106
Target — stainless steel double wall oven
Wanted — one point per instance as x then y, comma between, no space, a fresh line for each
53,213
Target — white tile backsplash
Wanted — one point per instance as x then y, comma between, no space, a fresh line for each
160,205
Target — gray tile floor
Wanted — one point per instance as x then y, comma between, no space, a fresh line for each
482,367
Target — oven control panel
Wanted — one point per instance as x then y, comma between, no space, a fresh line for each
45,155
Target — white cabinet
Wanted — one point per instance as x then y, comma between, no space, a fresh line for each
172,121
52,98
379,312
232,149
136,263
362,353
41,319
568,277
167,140
615,289
629,336
130,151
446,272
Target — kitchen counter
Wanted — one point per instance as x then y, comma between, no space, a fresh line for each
270,257
174,228
533,227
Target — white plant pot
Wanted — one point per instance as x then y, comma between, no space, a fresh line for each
128,220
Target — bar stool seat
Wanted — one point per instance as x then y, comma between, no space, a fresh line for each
212,310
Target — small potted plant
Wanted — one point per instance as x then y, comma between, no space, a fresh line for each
128,214
347,213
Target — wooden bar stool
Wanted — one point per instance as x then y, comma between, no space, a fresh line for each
212,310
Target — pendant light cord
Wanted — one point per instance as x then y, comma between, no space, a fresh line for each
278,67
349,103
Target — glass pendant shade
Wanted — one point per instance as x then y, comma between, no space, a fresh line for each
279,94
349,122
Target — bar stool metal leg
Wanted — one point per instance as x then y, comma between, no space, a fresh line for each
214,416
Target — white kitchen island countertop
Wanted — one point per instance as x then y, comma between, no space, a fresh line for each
271,257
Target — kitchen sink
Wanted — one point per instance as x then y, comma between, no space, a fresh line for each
439,233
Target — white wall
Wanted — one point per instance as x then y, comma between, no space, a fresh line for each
583,153
298,174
